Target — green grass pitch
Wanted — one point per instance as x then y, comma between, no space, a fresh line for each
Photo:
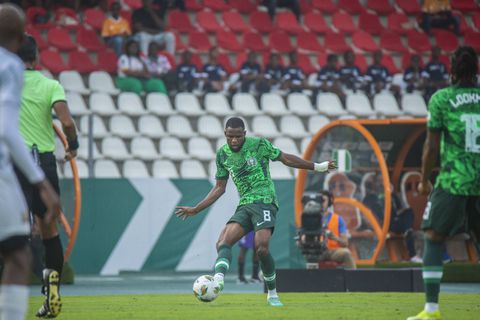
299,306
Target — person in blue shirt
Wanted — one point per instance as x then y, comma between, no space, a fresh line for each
214,73
378,78
413,75
294,79
272,74
187,73
435,74
350,74
250,74
328,78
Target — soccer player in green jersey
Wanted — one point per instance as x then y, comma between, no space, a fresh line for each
246,160
454,133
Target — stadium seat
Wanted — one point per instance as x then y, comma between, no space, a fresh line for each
316,22
364,41
292,126
217,104
150,126
82,151
164,169
280,42
187,104
300,104
382,7
227,41
359,105
47,73
80,61
335,42
418,41
398,22
210,127
101,81
386,105
179,21
212,169
388,62
208,21
60,39
193,5
473,39
307,41
370,23
254,42
351,6
317,122
122,126
216,5
392,41
76,105
476,21
72,81
273,104
279,171
262,22
192,169
32,13
343,22
466,6
105,169
102,104
52,60
304,144
287,22
135,169
264,126
179,45
41,43
330,105
82,169
199,41
286,144
133,4
107,61
200,148
325,6
143,149
464,25
159,104
361,62
88,39
446,40
414,105
98,127
94,18
130,104
243,6
115,148
234,21
179,126
172,148
410,7
245,104
66,17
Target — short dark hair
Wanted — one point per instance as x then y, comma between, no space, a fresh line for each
28,49
234,123
329,196
464,65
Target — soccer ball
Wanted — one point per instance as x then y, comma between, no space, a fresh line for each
205,288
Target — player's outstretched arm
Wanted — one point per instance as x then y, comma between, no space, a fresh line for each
293,161
430,152
217,191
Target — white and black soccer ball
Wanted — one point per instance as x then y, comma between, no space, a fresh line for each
205,288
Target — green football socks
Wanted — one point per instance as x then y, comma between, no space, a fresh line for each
268,268
432,269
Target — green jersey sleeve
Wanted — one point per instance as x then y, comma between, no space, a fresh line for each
222,172
58,94
435,112
269,150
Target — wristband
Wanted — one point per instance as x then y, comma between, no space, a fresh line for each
73,144
321,167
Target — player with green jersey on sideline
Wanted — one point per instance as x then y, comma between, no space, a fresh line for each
454,205
246,160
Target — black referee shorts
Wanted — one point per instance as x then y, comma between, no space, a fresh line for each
48,164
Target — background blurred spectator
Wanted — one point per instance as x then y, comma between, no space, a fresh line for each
273,74
250,74
116,29
187,73
214,73
247,242
438,14
294,78
272,5
413,75
377,77
164,5
435,73
328,78
159,67
350,74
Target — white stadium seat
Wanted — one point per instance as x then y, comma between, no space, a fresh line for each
286,144
131,104
386,105
76,104
245,105
264,126
101,81
122,126
144,149
304,144
210,127
164,169
82,151
273,104
102,104
179,126
300,104
279,171
220,142
151,127
159,104
414,105
47,74
98,127
82,169
317,122
192,169
217,104
114,148
172,148
105,169
359,105
330,105
187,104
200,148
293,127
135,169
212,169
72,81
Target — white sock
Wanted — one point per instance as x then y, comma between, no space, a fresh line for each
219,276
431,307
272,293
13,302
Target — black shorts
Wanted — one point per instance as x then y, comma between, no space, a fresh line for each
48,163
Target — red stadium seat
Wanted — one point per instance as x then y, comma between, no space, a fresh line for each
446,61
398,22
322,59
465,5
343,22
392,41
445,40
418,41
316,22
325,6
81,62
305,63
170,58
253,41
307,41
94,18
127,15
241,58
133,4
473,39
216,5
33,15
193,5
364,41
476,21
179,21
88,39
388,62
228,41
380,6
107,61
351,6
262,22
41,43
243,6
335,42
464,26
280,42
52,61
286,21
199,41
179,45
208,21
197,61
66,17
361,62
305,6
370,23
226,63
235,22
59,38
411,7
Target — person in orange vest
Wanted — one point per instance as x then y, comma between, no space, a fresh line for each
336,234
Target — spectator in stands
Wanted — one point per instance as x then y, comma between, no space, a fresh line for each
328,78
273,74
247,242
350,74
83,4
294,79
214,73
250,74
164,5
187,73
413,75
435,74
133,75
148,26
116,29
438,14
159,66
378,78
272,5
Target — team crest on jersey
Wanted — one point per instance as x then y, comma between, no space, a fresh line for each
252,161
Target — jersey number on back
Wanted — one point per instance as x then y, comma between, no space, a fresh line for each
472,132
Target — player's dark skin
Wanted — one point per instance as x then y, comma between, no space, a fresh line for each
233,232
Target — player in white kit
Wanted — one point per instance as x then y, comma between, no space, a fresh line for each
14,221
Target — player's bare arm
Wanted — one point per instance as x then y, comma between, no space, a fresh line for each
293,161
431,149
68,127
217,191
